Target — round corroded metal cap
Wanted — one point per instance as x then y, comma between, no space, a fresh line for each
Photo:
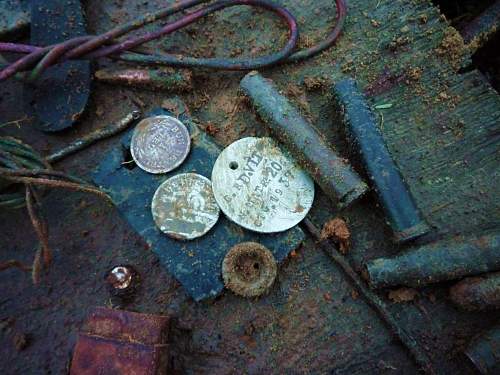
249,269
184,206
120,277
160,144
260,187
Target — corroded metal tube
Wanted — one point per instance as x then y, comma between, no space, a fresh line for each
366,138
162,79
477,293
94,136
440,261
331,172
484,351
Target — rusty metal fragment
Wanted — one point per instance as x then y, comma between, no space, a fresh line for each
121,342
477,293
249,269
153,79
439,261
484,351
366,138
332,172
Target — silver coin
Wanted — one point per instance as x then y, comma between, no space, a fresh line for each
260,187
184,206
160,144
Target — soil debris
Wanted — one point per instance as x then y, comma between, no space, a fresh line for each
452,48
338,231
402,295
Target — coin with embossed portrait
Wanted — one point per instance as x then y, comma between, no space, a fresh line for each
160,144
260,186
184,206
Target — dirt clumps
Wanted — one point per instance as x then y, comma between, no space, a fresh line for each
337,231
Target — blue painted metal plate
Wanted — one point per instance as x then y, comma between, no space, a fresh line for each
197,264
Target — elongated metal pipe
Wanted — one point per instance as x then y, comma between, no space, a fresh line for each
440,261
477,293
366,138
330,171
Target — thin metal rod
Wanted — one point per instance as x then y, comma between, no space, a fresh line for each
373,300
94,137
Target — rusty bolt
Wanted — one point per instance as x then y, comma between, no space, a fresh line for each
120,277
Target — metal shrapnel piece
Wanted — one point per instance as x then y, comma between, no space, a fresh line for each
160,144
249,269
260,187
331,172
184,206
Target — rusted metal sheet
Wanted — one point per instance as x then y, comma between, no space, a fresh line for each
125,325
121,342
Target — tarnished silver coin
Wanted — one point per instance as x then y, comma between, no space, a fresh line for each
260,187
160,144
184,206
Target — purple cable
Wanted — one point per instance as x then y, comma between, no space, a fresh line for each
38,59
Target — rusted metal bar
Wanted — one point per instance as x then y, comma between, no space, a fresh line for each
420,357
160,79
477,293
482,28
93,137
440,261
121,342
365,136
484,351
332,173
